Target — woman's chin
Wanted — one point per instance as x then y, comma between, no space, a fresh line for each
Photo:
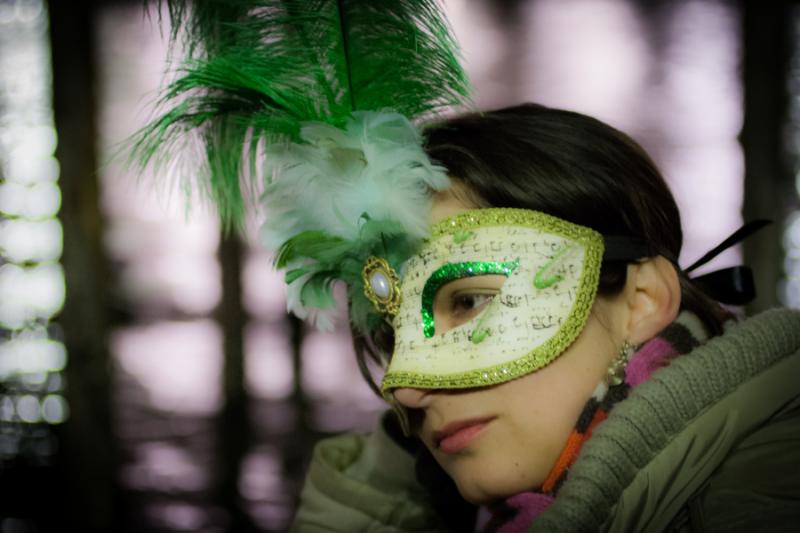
478,495
492,487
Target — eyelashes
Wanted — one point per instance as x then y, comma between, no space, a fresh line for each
468,304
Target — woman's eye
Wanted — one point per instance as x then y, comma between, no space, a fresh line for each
463,299
469,304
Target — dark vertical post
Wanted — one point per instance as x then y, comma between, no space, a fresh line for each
88,455
296,340
507,14
768,173
234,430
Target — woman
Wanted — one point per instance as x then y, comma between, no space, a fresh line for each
548,361
622,416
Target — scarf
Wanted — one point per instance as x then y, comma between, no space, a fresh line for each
517,513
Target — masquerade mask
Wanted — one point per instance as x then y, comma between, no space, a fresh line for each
456,327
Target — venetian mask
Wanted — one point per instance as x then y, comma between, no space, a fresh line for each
544,276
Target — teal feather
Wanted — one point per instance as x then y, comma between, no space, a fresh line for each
333,258
316,245
256,70
317,292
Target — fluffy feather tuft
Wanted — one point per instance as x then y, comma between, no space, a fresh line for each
374,168
366,191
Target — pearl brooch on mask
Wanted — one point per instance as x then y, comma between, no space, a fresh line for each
381,285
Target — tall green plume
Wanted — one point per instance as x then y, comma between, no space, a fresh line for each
256,70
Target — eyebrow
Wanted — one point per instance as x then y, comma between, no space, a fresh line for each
453,271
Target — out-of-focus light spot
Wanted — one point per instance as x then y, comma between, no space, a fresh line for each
330,370
161,466
178,516
177,363
797,141
24,11
601,55
33,241
130,236
30,201
7,409
327,365
791,235
30,293
268,362
789,287
791,266
54,409
789,293
174,467
23,355
261,475
271,515
34,142
29,409
33,381
481,44
55,383
264,293
168,266
188,282
28,171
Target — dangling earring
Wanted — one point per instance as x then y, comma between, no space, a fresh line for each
616,371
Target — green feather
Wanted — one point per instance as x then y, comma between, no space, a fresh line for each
316,245
334,258
255,70
318,292
294,274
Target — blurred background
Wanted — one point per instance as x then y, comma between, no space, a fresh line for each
150,379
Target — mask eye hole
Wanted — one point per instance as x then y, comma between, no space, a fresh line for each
460,272
461,300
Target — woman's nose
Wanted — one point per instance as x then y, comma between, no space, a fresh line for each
412,398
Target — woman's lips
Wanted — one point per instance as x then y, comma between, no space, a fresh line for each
458,435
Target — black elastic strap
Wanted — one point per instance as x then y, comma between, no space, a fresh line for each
621,248
735,238
732,286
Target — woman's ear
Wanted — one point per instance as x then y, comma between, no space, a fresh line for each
653,296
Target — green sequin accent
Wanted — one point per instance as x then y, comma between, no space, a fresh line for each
453,271
540,281
479,335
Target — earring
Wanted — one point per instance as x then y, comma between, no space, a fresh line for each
616,371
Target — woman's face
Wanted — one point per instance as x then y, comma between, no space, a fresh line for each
504,439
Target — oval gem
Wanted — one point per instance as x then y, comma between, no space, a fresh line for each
380,284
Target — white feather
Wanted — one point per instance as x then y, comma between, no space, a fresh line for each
376,165
322,319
